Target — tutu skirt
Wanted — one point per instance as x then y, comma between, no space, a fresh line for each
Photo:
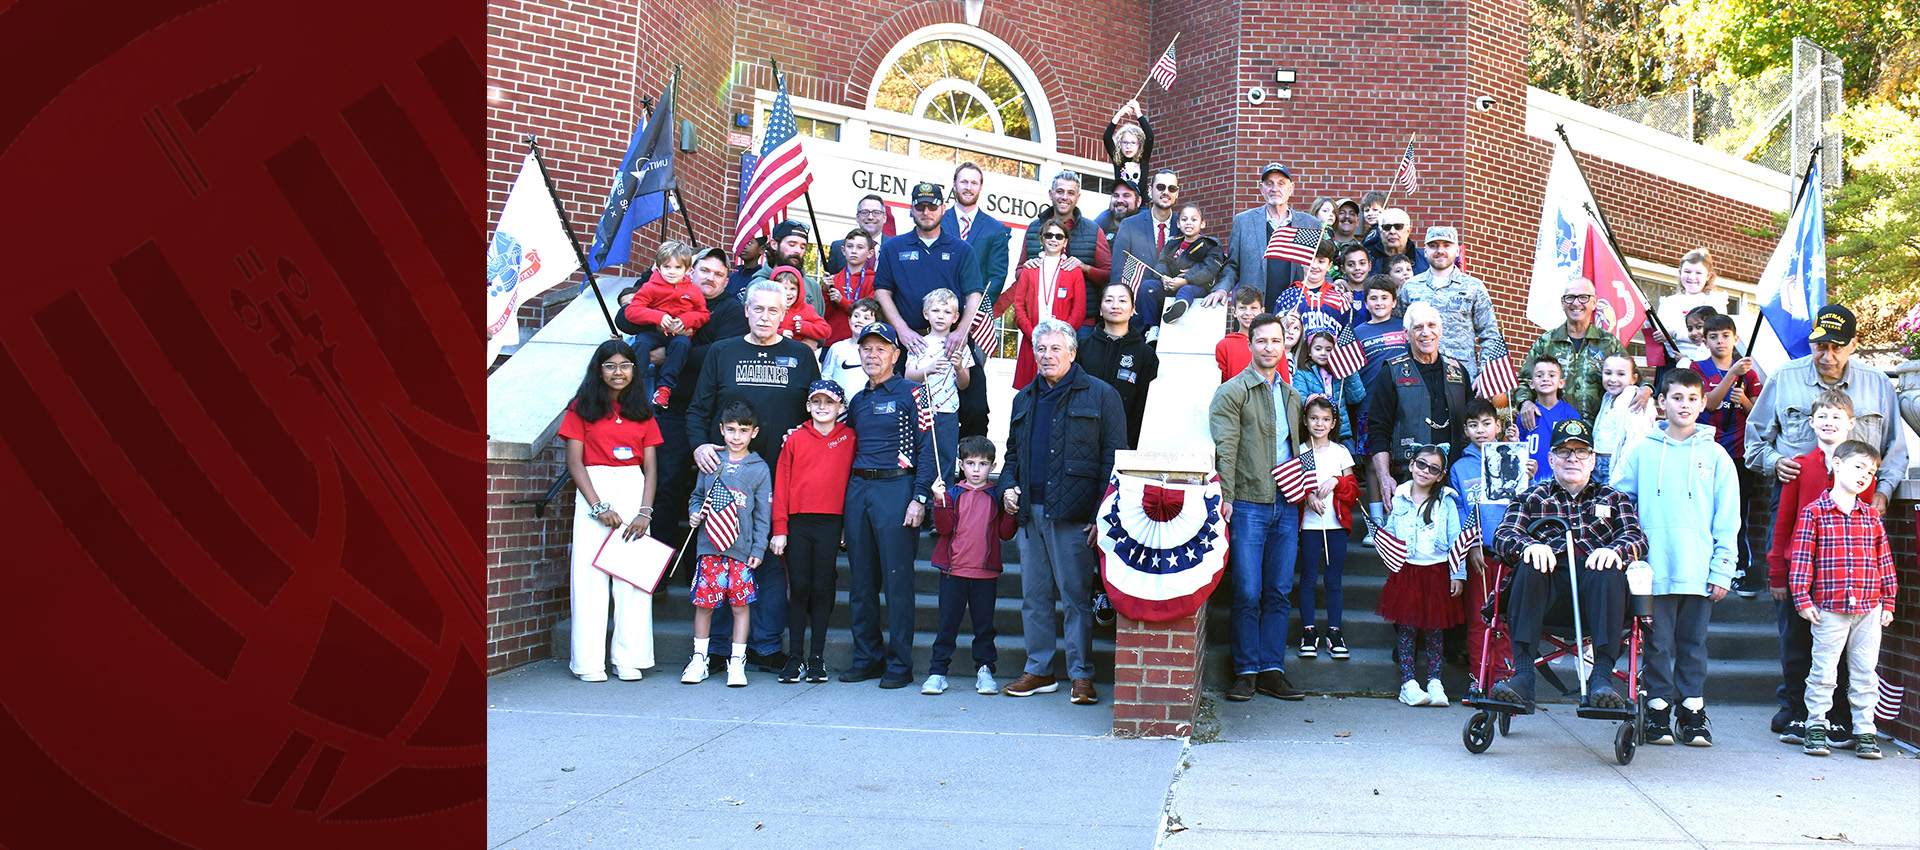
1417,596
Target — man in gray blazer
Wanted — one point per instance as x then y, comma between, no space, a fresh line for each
1247,263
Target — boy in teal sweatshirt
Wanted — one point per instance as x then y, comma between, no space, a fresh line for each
1689,494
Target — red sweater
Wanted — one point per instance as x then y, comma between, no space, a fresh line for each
658,299
1813,480
813,473
1233,355
971,526
801,322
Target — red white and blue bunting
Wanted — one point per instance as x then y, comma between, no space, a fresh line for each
1163,547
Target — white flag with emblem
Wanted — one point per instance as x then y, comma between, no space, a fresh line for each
1560,248
530,254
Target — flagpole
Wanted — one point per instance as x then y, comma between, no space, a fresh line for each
1391,181
1143,83
1806,179
534,143
1670,347
680,200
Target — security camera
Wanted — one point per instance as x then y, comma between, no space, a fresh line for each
1484,103
1256,95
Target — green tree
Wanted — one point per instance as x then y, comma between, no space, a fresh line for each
1873,259
1735,39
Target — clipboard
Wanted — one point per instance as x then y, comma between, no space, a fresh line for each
641,562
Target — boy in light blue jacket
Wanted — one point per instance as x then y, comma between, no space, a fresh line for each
1689,495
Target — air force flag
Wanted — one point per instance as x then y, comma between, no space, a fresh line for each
1794,284
529,255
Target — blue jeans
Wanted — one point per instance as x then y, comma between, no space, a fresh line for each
1322,553
1153,298
1264,542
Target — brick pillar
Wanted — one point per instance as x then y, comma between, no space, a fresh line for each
528,556
1156,676
1900,643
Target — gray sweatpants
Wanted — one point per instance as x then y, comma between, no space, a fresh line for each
1677,651
1055,563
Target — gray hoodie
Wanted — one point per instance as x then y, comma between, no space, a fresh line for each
752,486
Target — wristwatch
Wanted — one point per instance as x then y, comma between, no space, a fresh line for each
921,498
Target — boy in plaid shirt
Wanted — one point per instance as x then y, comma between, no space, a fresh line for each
1841,577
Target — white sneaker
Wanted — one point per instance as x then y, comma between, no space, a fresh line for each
984,683
1436,695
696,671
627,674
595,676
935,686
737,672
1412,694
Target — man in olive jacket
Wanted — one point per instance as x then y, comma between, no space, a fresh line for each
1256,424
1065,428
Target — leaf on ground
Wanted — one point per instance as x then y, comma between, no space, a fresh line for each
567,770
1838,836
1343,734
758,825
731,801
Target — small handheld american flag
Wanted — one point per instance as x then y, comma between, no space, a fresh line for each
1469,538
1135,270
1293,243
723,516
1408,176
1348,356
1496,374
1164,69
1295,477
1891,697
1393,550
982,332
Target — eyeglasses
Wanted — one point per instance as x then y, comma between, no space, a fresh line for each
1573,454
1054,235
1576,299
616,367
1401,226
1426,467
865,213
1166,187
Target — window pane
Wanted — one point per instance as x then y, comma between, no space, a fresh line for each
958,73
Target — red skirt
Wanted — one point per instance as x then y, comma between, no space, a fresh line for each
1418,596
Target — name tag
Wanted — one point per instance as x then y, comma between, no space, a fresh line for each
1060,293
623,453
883,407
909,255
1603,511
1126,375
788,362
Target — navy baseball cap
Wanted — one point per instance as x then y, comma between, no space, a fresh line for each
788,228
926,193
1571,431
1275,166
881,330
829,387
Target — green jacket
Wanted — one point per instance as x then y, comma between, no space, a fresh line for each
1579,362
1240,418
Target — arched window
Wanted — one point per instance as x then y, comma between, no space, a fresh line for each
955,82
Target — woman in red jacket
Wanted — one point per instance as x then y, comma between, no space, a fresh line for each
1324,526
1045,292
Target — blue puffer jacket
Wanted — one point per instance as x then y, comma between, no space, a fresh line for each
1088,426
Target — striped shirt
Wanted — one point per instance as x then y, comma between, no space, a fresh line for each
1840,560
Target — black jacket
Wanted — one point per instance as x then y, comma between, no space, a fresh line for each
728,320
1128,365
1088,427
1200,263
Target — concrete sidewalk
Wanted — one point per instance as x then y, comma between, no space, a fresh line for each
851,766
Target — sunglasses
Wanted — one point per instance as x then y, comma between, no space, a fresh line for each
1401,226
1426,467
1166,187
1053,235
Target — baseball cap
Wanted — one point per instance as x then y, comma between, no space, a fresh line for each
1832,324
1442,233
1572,431
788,228
881,330
1275,166
703,253
829,387
1347,202
926,193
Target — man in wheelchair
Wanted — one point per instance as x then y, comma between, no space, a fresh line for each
1606,537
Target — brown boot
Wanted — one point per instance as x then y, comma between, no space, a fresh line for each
1242,688
1028,685
1083,692
1274,683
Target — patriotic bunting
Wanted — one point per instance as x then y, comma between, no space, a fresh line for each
1163,547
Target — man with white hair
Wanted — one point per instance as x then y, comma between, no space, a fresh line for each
1065,428
1418,399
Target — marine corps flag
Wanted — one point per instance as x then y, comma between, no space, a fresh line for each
1618,307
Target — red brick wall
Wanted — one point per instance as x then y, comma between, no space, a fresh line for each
1156,676
528,558
1900,643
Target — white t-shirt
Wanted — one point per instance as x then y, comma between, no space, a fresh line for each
841,365
1329,463
941,390
1673,314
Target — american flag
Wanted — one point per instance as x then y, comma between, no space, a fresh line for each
1164,68
1293,243
781,176
723,516
1393,550
1891,697
982,332
1295,477
1348,355
1496,375
1134,271
922,421
1409,176
1469,537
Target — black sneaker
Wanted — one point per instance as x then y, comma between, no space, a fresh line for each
1174,311
1816,744
772,662
790,673
1102,608
1660,725
1780,719
1695,731
816,669
1840,737
1336,645
860,674
1866,746
1309,643
1795,732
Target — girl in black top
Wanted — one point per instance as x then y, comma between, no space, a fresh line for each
1129,147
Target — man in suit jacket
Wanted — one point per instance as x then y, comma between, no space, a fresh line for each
988,237
1143,235
1247,263
869,215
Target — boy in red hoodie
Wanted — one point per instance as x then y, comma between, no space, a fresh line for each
1232,353
668,309
809,498
971,525
1831,418
800,322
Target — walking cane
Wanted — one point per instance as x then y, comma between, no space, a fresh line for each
1579,654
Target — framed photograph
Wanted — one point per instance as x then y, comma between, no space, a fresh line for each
1505,470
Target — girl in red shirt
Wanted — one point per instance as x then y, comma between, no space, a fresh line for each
610,436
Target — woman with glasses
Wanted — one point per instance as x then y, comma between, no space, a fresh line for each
1046,291
610,436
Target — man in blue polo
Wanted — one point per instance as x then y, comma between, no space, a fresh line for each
892,467
913,265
